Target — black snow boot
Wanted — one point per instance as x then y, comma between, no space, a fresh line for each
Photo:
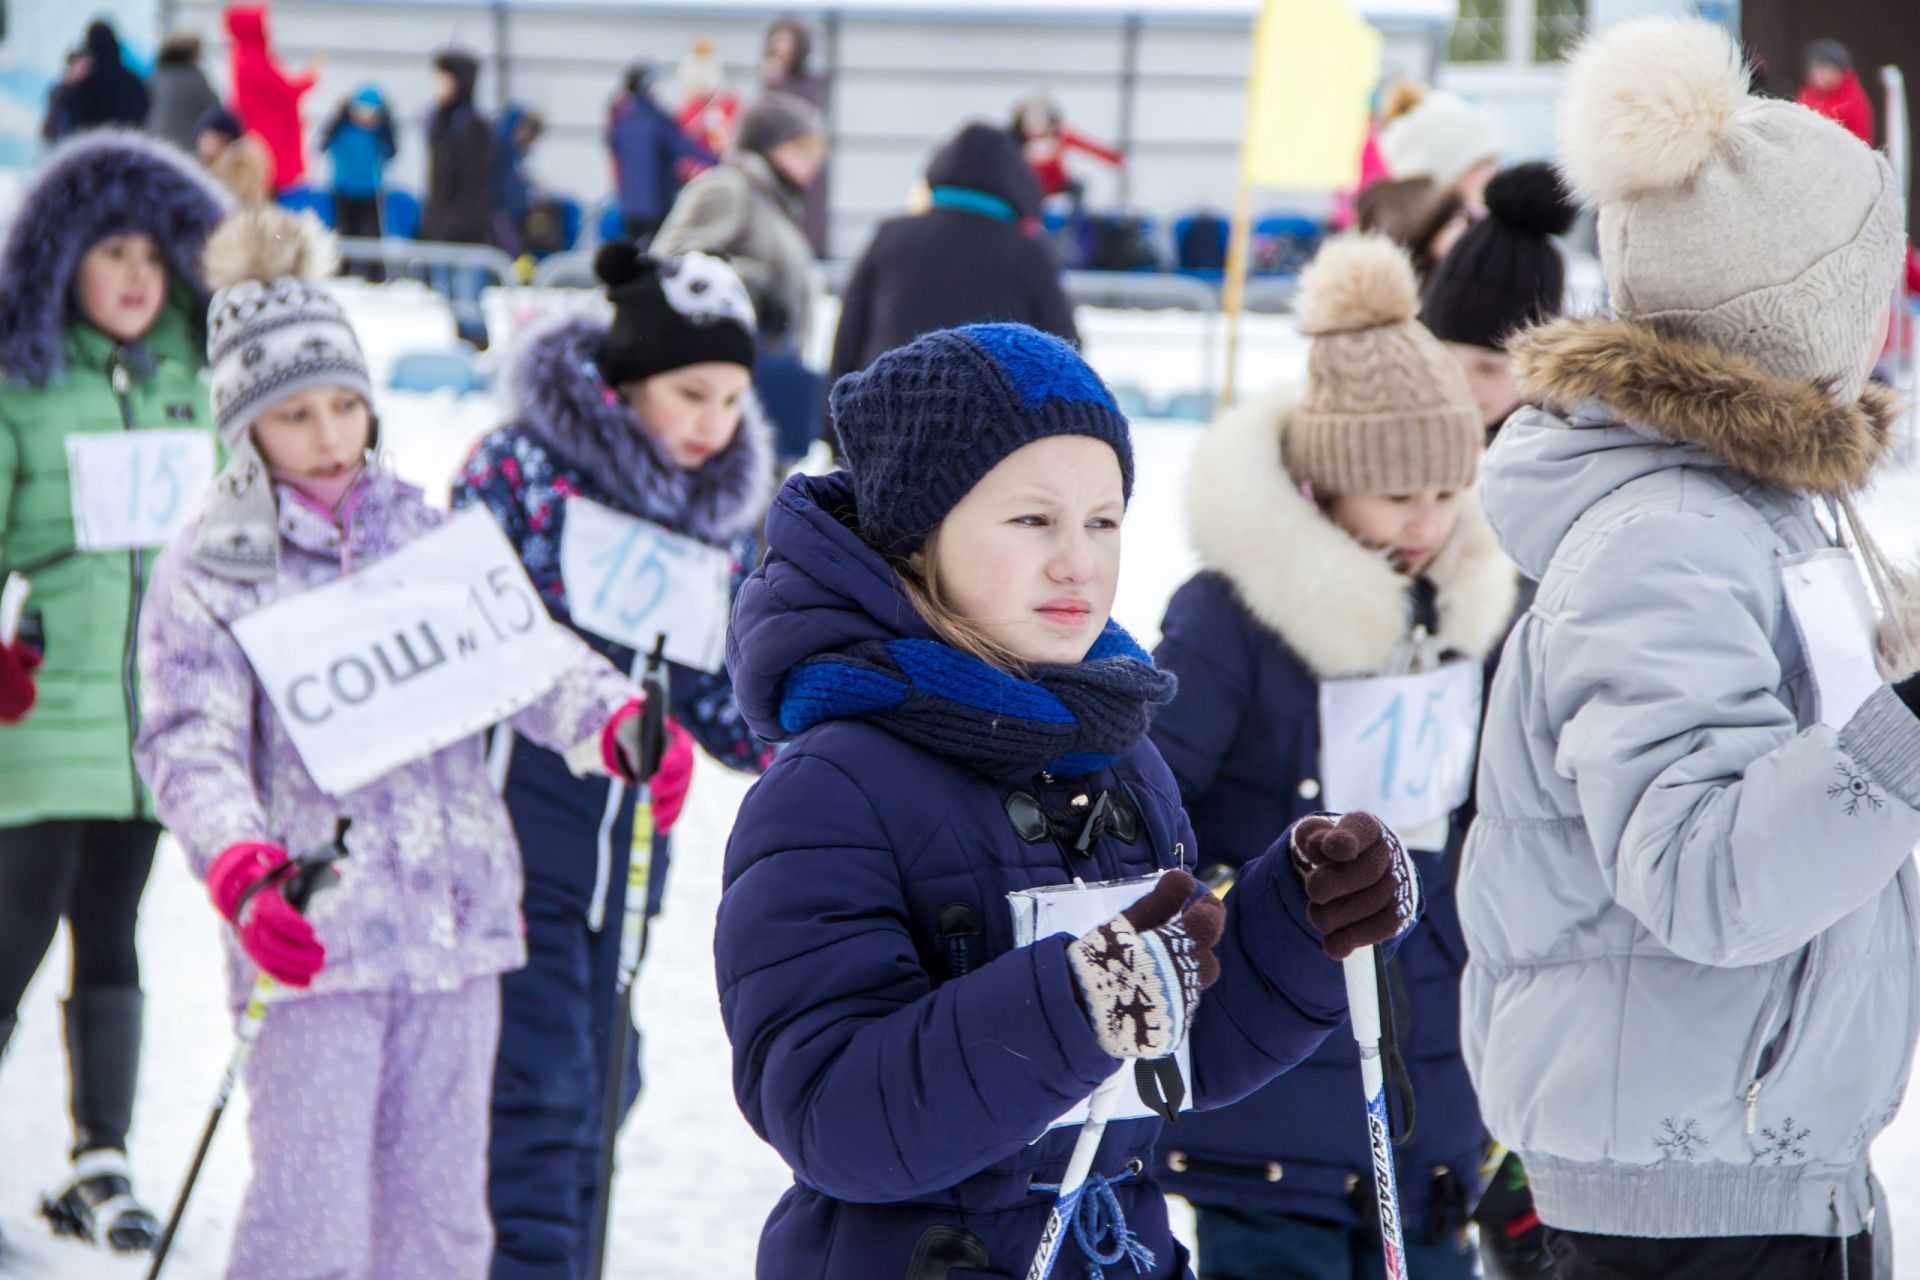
103,1071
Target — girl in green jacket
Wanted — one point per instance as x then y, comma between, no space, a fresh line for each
106,445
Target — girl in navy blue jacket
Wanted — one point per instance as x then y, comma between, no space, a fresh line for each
1341,540
645,423
930,632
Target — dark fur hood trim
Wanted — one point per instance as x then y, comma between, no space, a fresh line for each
1793,435
560,401
103,183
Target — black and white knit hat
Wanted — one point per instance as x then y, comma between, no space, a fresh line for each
273,331
670,314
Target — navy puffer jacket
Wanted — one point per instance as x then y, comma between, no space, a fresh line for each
1286,602
889,1040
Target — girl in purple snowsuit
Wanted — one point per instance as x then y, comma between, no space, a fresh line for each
371,1081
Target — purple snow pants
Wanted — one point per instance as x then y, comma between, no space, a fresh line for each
369,1126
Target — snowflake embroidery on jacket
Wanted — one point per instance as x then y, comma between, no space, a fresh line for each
1782,1144
1680,1139
1855,790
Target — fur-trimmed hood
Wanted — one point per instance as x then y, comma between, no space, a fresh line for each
1792,435
1619,401
1339,606
560,400
105,182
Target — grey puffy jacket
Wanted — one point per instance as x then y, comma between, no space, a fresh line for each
1691,1003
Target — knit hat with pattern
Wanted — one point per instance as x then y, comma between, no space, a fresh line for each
1753,225
1386,409
923,423
273,331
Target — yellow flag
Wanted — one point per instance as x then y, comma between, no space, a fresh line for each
1315,63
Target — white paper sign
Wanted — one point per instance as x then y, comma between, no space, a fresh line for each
1828,600
1076,909
1400,747
631,581
397,659
136,488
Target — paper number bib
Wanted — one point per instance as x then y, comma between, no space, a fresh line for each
403,656
136,488
1077,909
1400,747
632,582
1831,612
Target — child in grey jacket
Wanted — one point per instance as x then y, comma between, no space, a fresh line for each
1689,896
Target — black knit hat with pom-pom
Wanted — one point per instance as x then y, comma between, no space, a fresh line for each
1506,272
668,314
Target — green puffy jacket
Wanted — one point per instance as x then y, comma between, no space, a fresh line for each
72,757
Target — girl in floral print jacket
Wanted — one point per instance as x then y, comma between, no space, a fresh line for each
650,418
370,1086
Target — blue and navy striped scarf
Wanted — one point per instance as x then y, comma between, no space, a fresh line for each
1067,719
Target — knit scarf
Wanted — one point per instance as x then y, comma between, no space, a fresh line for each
1069,719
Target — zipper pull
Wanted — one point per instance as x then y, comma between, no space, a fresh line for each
1753,1096
117,374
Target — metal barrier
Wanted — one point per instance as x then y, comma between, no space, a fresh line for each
460,271
571,270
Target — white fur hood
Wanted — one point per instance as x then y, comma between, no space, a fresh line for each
1340,607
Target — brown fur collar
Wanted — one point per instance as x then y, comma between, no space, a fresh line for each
1789,434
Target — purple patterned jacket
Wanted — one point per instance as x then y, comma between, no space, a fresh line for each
430,896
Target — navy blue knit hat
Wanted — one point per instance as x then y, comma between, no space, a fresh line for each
924,423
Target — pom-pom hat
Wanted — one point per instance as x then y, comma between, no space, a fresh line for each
669,314
922,424
273,331
1506,272
1750,224
1386,409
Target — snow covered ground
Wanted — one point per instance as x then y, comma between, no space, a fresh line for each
695,1183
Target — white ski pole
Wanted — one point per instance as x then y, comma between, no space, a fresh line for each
13,605
1074,1181
1362,970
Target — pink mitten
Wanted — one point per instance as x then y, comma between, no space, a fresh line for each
272,933
670,783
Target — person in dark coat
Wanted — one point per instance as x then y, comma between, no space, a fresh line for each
514,134
180,93
1505,274
1335,549
964,721
648,417
647,148
965,260
459,204
108,94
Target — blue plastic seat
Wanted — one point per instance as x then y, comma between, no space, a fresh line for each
425,371
402,215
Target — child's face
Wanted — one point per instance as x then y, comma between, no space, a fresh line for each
1490,375
209,143
445,87
122,286
693,412
316,434
1825,76
1032,555
1411,528
365,116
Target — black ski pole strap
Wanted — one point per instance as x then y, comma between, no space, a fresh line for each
1161,1085
1399,1082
